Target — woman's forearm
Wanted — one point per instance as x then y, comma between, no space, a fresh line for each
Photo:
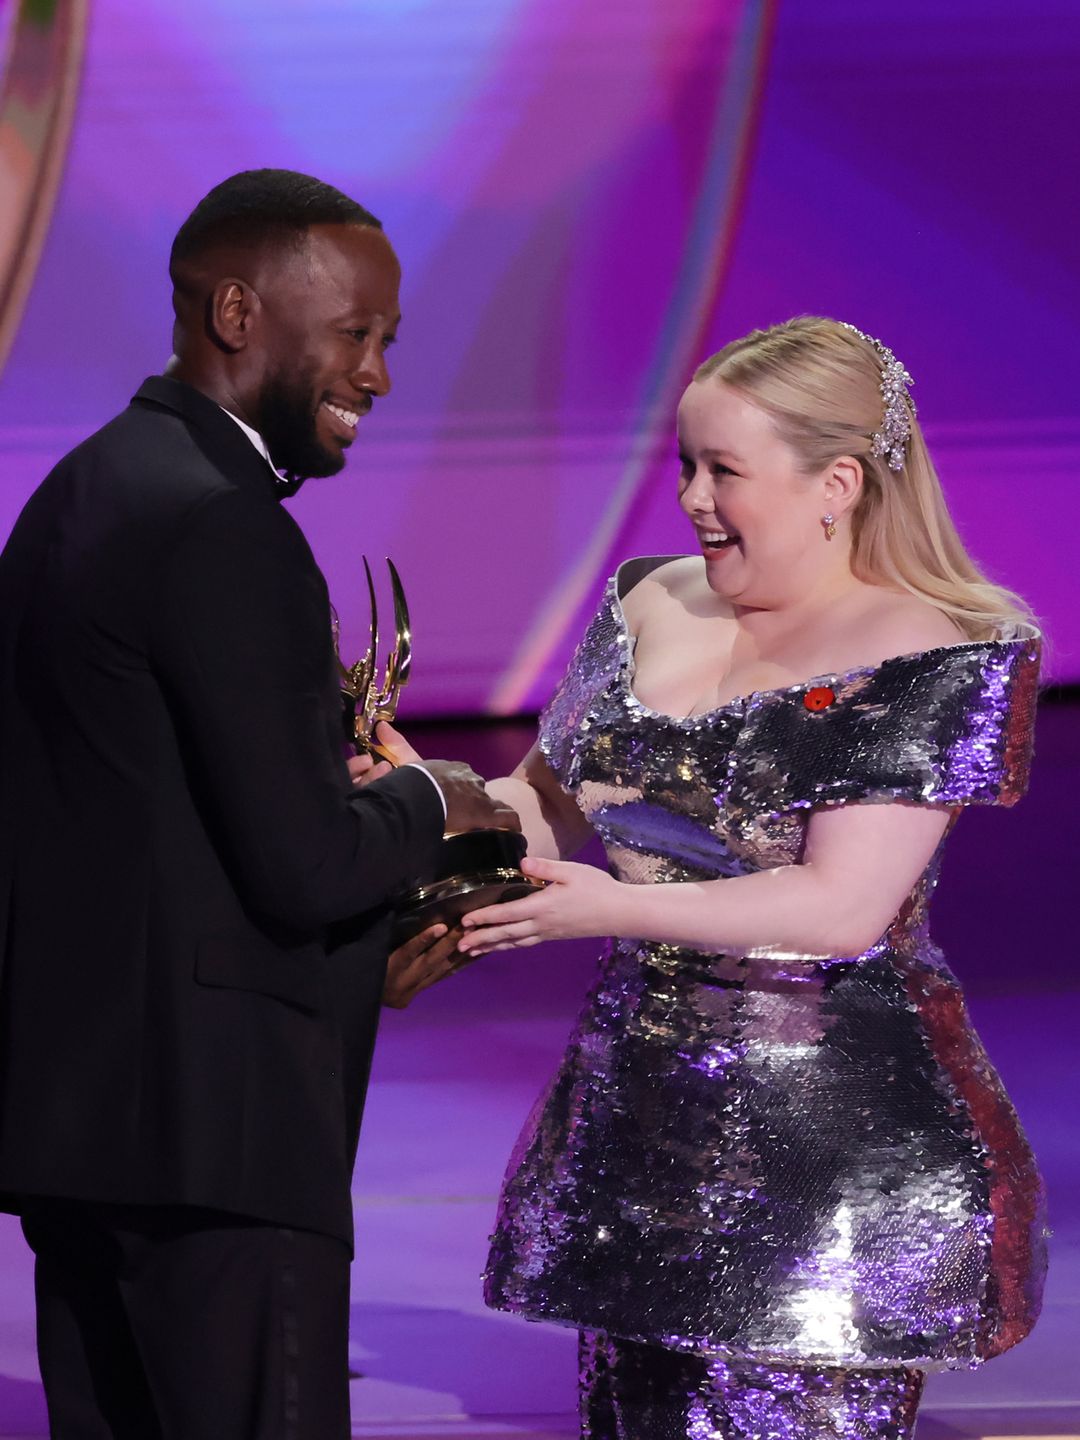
537,830
792,910
554,832
858,866
552,823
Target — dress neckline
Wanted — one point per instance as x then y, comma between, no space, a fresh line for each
739,703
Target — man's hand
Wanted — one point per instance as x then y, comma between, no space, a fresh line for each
468,805
422,961
364,768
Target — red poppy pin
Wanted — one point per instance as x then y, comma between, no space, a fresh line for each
819,697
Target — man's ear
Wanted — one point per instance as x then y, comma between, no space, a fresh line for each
843,485
232,311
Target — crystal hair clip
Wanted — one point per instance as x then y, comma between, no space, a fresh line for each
888,442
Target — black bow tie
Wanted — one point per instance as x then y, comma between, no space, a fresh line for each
285,486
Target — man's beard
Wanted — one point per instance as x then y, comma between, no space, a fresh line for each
288,412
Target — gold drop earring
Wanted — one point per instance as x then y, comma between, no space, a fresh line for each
829,524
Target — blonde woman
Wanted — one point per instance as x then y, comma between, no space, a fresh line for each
775,1178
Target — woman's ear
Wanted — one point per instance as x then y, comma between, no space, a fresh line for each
843,484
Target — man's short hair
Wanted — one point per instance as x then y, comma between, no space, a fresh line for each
270,208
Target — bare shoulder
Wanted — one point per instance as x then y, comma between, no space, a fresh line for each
895,624
675,583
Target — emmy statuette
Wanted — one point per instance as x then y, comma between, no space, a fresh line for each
475,867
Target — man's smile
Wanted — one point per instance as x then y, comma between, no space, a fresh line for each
346,417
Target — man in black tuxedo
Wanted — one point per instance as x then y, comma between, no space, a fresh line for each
193,895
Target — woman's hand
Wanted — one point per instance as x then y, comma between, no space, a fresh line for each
576,900
421,962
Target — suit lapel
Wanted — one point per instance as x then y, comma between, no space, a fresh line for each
219,437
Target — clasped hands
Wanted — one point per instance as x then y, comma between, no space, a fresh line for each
576,901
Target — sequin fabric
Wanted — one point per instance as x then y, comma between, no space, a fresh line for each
797,1161
640,1392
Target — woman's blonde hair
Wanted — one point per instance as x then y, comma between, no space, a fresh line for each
820,382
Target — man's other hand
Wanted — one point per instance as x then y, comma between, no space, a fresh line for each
421,962
365,768
468,805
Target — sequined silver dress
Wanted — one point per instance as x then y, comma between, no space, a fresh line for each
783,1161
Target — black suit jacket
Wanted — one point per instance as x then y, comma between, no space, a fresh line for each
193,917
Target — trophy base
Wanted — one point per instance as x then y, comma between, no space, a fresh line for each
477,868
446,902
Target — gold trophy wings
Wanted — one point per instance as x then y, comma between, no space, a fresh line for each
367,699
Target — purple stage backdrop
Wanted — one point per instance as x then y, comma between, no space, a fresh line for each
588,197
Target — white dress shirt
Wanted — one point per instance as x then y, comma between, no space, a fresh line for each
260,445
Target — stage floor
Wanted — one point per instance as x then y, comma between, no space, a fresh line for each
456,1074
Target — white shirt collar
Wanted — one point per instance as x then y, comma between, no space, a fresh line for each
256,440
